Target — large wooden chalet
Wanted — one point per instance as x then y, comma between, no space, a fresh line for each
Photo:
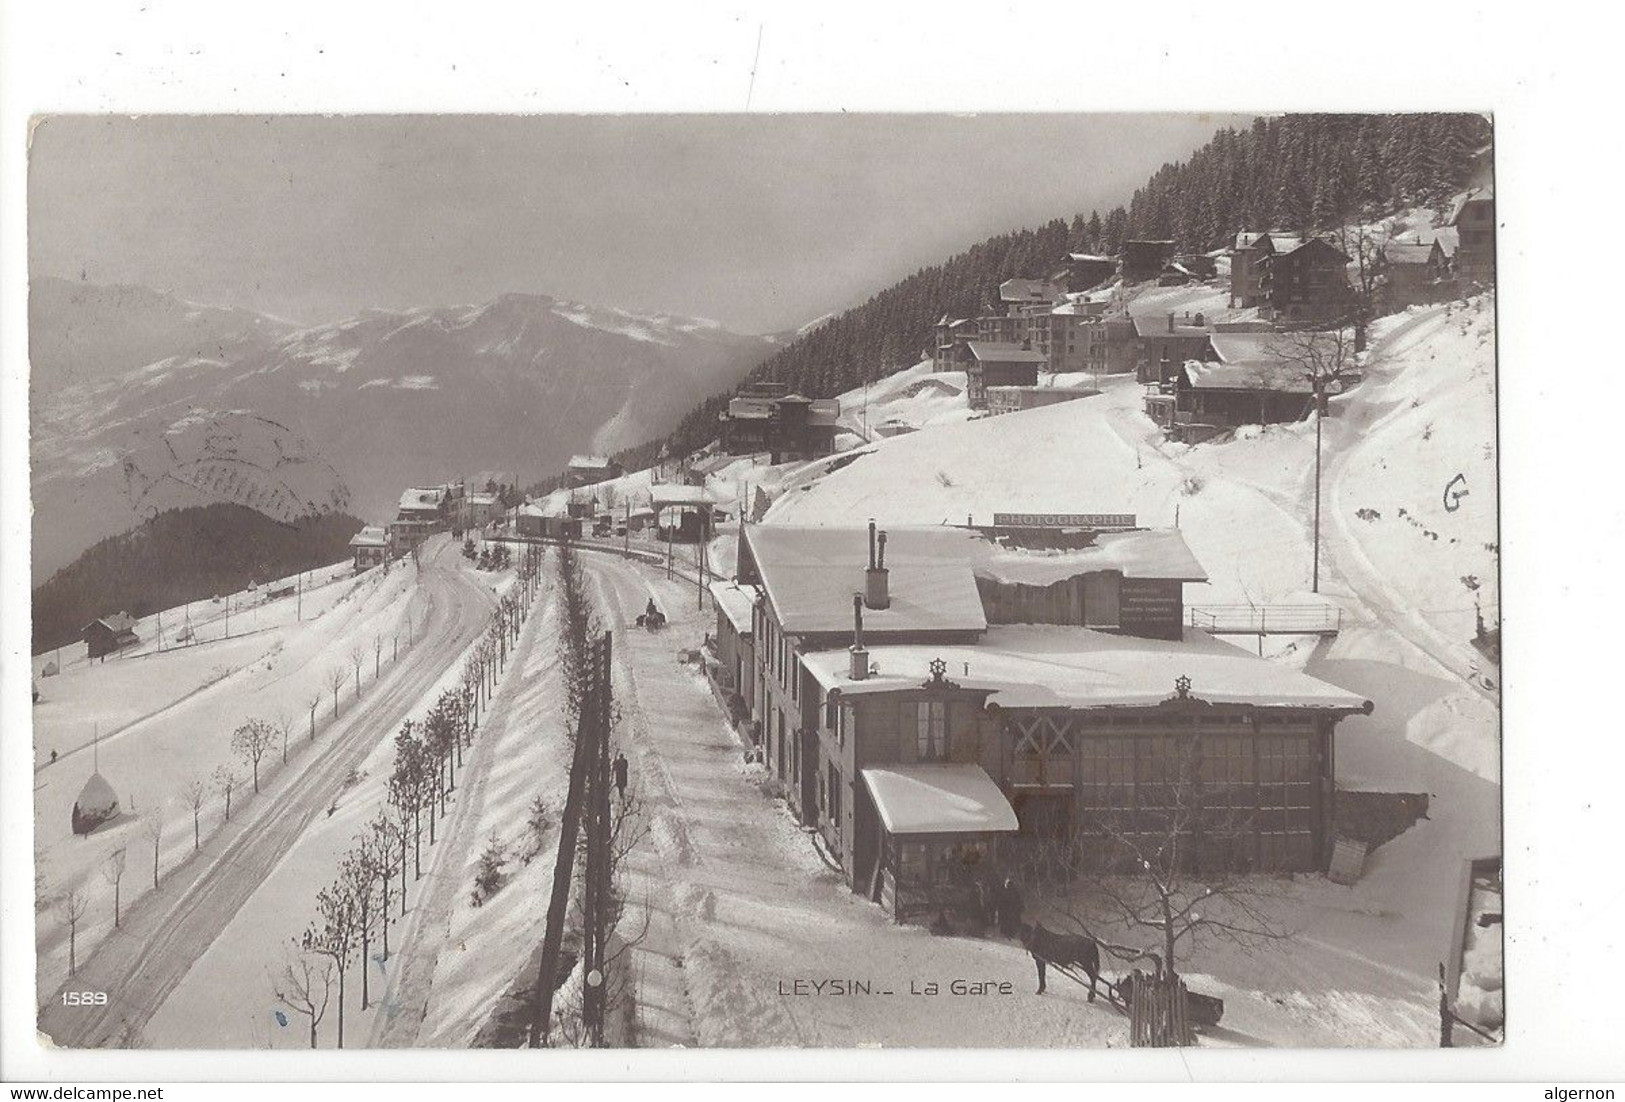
110,634
1474,221
988,363
1144,260
1239,379
1305,281
943,706
763,418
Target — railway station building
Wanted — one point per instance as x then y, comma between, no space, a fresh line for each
948,705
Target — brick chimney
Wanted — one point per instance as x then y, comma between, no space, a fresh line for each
860,656
876,587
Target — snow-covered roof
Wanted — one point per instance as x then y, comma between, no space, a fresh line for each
1046,666
1408,252
1092,256
938,798
736,602
1160,553
117,623
810,574
589,462
1283,242
1260,374
1157,325
712,463
674,493
1471,195
483,499
1246,239
1448,238
997,352
1232,347
370,536
420,497
1028,290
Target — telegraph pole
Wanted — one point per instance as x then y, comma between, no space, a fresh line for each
1320,415
586,804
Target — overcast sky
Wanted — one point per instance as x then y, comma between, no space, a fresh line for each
760,222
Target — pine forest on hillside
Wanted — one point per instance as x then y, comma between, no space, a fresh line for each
179,556
1296,172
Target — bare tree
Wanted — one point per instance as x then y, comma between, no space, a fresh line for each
72,906
389,857
358,871
195,791
283,722
409,790
305,986
252,741
315,702
335,680
1172,879
357,655
155,831
377,654
226,780
333,935
1365,252
113,873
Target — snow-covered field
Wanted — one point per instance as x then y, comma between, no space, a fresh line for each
166,720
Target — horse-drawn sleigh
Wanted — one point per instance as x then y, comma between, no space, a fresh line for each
1077,957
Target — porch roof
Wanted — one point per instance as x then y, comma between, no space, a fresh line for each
938,798
736,602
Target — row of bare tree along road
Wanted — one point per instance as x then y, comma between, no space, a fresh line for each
370,888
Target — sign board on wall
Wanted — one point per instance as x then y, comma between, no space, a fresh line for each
1063,520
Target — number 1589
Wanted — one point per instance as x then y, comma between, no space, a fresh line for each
84,998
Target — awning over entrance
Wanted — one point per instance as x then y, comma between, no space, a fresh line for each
938,799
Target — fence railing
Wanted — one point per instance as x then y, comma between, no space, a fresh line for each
1301,619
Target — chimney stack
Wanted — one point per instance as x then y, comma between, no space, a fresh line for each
876,587
860,657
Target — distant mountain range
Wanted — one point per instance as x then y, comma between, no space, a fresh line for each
142,402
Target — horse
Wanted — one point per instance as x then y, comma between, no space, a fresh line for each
1062,950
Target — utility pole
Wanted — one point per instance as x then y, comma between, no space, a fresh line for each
1320,415
596,909
592,740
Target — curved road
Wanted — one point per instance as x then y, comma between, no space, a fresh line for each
166,932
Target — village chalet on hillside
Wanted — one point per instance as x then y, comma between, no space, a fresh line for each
941,703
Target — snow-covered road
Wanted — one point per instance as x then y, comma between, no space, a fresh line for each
163,936
746,916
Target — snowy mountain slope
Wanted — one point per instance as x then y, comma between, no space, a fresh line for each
84,333
381,400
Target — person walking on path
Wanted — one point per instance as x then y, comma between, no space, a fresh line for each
620,774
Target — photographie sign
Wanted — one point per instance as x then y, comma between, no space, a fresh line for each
1063,520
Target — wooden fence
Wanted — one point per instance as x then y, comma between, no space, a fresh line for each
1158,1012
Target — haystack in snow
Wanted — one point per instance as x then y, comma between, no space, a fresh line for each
96,804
